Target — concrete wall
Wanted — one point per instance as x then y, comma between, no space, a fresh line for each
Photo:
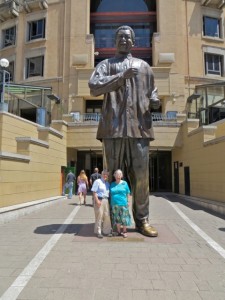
202,151
30,160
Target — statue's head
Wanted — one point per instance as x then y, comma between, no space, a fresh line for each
124,38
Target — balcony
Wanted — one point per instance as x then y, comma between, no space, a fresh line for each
31,5
9,9
219,4
159,120
82,129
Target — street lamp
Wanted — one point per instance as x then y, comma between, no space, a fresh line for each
4,63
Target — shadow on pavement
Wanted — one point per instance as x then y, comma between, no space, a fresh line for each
222,229
176,198
76,204
76,229
85,233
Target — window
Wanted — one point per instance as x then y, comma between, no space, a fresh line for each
211,27
11,70
105,34
36,29
35,66
121,5
106,16
94,106
9,36
213,64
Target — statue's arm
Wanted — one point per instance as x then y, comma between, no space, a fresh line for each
101,83
153,91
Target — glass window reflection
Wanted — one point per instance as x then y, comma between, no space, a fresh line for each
211,27
122,6
105,34
108,15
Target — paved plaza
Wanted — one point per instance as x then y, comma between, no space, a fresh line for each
51,253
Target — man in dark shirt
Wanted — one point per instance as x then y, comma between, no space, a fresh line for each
93,177
70,178
125,127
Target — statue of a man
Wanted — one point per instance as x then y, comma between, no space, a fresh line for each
125,127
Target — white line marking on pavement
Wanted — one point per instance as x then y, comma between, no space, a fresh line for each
21,281
207,238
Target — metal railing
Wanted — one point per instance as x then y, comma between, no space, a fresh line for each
158,119
87,118
168,119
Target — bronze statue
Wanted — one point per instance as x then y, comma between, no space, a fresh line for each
125,127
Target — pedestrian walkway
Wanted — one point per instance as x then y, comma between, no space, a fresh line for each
52,253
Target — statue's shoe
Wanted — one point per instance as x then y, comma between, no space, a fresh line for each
146,229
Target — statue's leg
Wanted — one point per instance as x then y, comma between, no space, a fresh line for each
113,155
137,157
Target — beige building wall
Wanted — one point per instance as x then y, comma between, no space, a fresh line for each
202,151
31,158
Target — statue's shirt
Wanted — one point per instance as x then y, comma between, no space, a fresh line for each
126,105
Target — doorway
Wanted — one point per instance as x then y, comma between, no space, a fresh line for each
160,178
88,160
176,176
187,185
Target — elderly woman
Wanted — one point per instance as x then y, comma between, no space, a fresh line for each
119,191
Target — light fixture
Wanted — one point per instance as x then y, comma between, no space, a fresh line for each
194,96
4,63
174,95
55,98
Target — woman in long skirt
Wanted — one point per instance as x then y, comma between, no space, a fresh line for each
119,192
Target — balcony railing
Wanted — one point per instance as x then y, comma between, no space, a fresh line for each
85,119
168,119
159,119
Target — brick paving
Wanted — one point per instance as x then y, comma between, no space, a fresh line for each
178,264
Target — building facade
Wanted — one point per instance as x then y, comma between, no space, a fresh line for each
55,44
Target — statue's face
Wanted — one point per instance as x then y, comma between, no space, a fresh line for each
124,41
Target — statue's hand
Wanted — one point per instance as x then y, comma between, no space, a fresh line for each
129,73
155,103
154,100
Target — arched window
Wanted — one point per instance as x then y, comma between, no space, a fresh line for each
122,5
108,15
